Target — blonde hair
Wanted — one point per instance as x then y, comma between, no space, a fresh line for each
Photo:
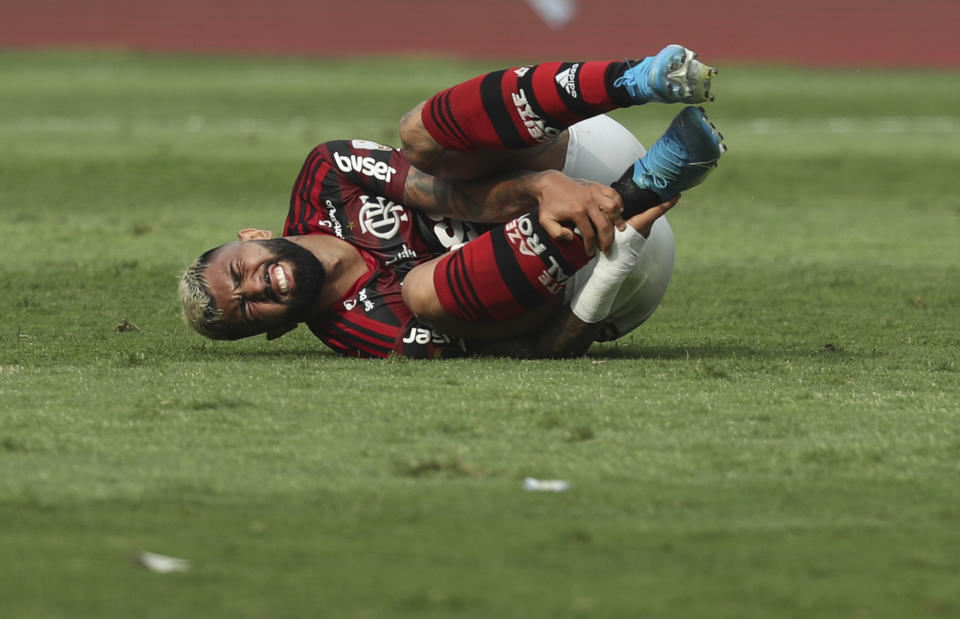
200,309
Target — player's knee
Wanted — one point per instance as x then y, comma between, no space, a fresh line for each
418,146
420,296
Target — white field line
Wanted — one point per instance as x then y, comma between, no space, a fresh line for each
199,124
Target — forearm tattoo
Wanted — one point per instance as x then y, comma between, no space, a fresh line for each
487,200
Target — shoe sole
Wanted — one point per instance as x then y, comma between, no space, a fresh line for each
707,132
690,79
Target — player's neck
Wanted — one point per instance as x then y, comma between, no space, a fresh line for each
342,264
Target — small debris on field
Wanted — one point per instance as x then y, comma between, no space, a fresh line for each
162,564
126,326
532,484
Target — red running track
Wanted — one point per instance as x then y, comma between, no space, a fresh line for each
851,33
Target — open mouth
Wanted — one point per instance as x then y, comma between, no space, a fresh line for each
277,280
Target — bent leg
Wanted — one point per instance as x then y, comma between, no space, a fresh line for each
509,110
420,295
523,107
428,155
515,269
599,149
644,288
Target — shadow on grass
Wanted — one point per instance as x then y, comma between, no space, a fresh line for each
607,351
246,353
730,351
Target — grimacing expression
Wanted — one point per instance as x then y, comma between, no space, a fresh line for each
263,285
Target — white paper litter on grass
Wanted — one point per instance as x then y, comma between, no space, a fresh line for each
162,564
533,484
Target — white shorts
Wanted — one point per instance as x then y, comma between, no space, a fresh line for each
600,150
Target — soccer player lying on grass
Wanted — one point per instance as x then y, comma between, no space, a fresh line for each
364,263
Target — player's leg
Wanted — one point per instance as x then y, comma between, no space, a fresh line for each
511,278
642,290
526,107
599,149
516,268
680,159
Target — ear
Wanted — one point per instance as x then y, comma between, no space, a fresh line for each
251,234
279,331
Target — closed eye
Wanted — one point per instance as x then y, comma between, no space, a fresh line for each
241,300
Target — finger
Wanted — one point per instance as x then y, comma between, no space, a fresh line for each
557,231
587,233
604,228
643,222
669,204
613,204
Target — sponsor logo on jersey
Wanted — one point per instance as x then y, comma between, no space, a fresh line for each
369,166
452,233
420,335
368,145
405,253
363,298
521,71
333,223
537,129
567,79
381,218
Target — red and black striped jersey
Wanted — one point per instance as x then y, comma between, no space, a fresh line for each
353,189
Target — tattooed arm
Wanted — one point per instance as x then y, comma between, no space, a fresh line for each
584,205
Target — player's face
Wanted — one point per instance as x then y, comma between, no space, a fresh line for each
263,285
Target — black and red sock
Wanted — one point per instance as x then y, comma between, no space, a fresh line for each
523,106
507,271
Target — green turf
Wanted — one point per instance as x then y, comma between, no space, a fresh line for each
782,439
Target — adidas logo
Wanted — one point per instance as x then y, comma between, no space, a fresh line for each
567,79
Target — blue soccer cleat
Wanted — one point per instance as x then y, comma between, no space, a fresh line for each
672,76
682,157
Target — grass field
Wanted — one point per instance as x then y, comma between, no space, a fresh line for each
781,439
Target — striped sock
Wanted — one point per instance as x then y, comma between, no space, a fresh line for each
523,106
